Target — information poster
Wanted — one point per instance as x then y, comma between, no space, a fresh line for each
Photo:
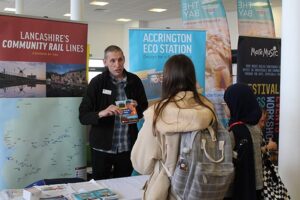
42,79
42,58
149,50
258,65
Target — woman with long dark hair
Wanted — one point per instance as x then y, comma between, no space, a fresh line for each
181,109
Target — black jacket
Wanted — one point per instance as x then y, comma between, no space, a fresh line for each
244,180
96,100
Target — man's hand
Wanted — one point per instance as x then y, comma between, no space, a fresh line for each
109,111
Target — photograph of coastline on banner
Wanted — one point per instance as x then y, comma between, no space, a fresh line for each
39,79
22,79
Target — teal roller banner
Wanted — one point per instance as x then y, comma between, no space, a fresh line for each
210,15
255,18
149,49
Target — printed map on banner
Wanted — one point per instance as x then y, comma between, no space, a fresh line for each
23,159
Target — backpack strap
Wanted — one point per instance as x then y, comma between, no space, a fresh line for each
186,149
170,177
166,169
193,135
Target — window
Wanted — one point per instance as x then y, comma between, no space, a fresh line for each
96,66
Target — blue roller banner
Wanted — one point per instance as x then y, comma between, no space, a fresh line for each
150,48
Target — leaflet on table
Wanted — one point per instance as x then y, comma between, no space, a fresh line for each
86,186
55,191
31,193
102,194
11,193
129,114
61,197
67,191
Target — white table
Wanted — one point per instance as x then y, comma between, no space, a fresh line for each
128,188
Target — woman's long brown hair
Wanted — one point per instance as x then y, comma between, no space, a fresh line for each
178,75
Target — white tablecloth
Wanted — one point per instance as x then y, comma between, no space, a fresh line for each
128,188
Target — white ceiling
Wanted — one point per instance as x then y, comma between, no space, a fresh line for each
136,10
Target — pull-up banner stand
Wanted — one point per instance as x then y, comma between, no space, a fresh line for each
258,65
211,16
42,79
149,49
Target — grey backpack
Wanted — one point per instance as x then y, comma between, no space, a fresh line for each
204,169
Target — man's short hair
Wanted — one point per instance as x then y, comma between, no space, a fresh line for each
112,48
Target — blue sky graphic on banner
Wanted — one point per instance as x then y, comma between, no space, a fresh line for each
149,50
255,18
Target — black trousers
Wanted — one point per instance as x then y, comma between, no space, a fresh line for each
258,196
107,165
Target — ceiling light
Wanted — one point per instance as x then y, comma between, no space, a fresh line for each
10,9
260,4
123,20
158,10
98,3
67,15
